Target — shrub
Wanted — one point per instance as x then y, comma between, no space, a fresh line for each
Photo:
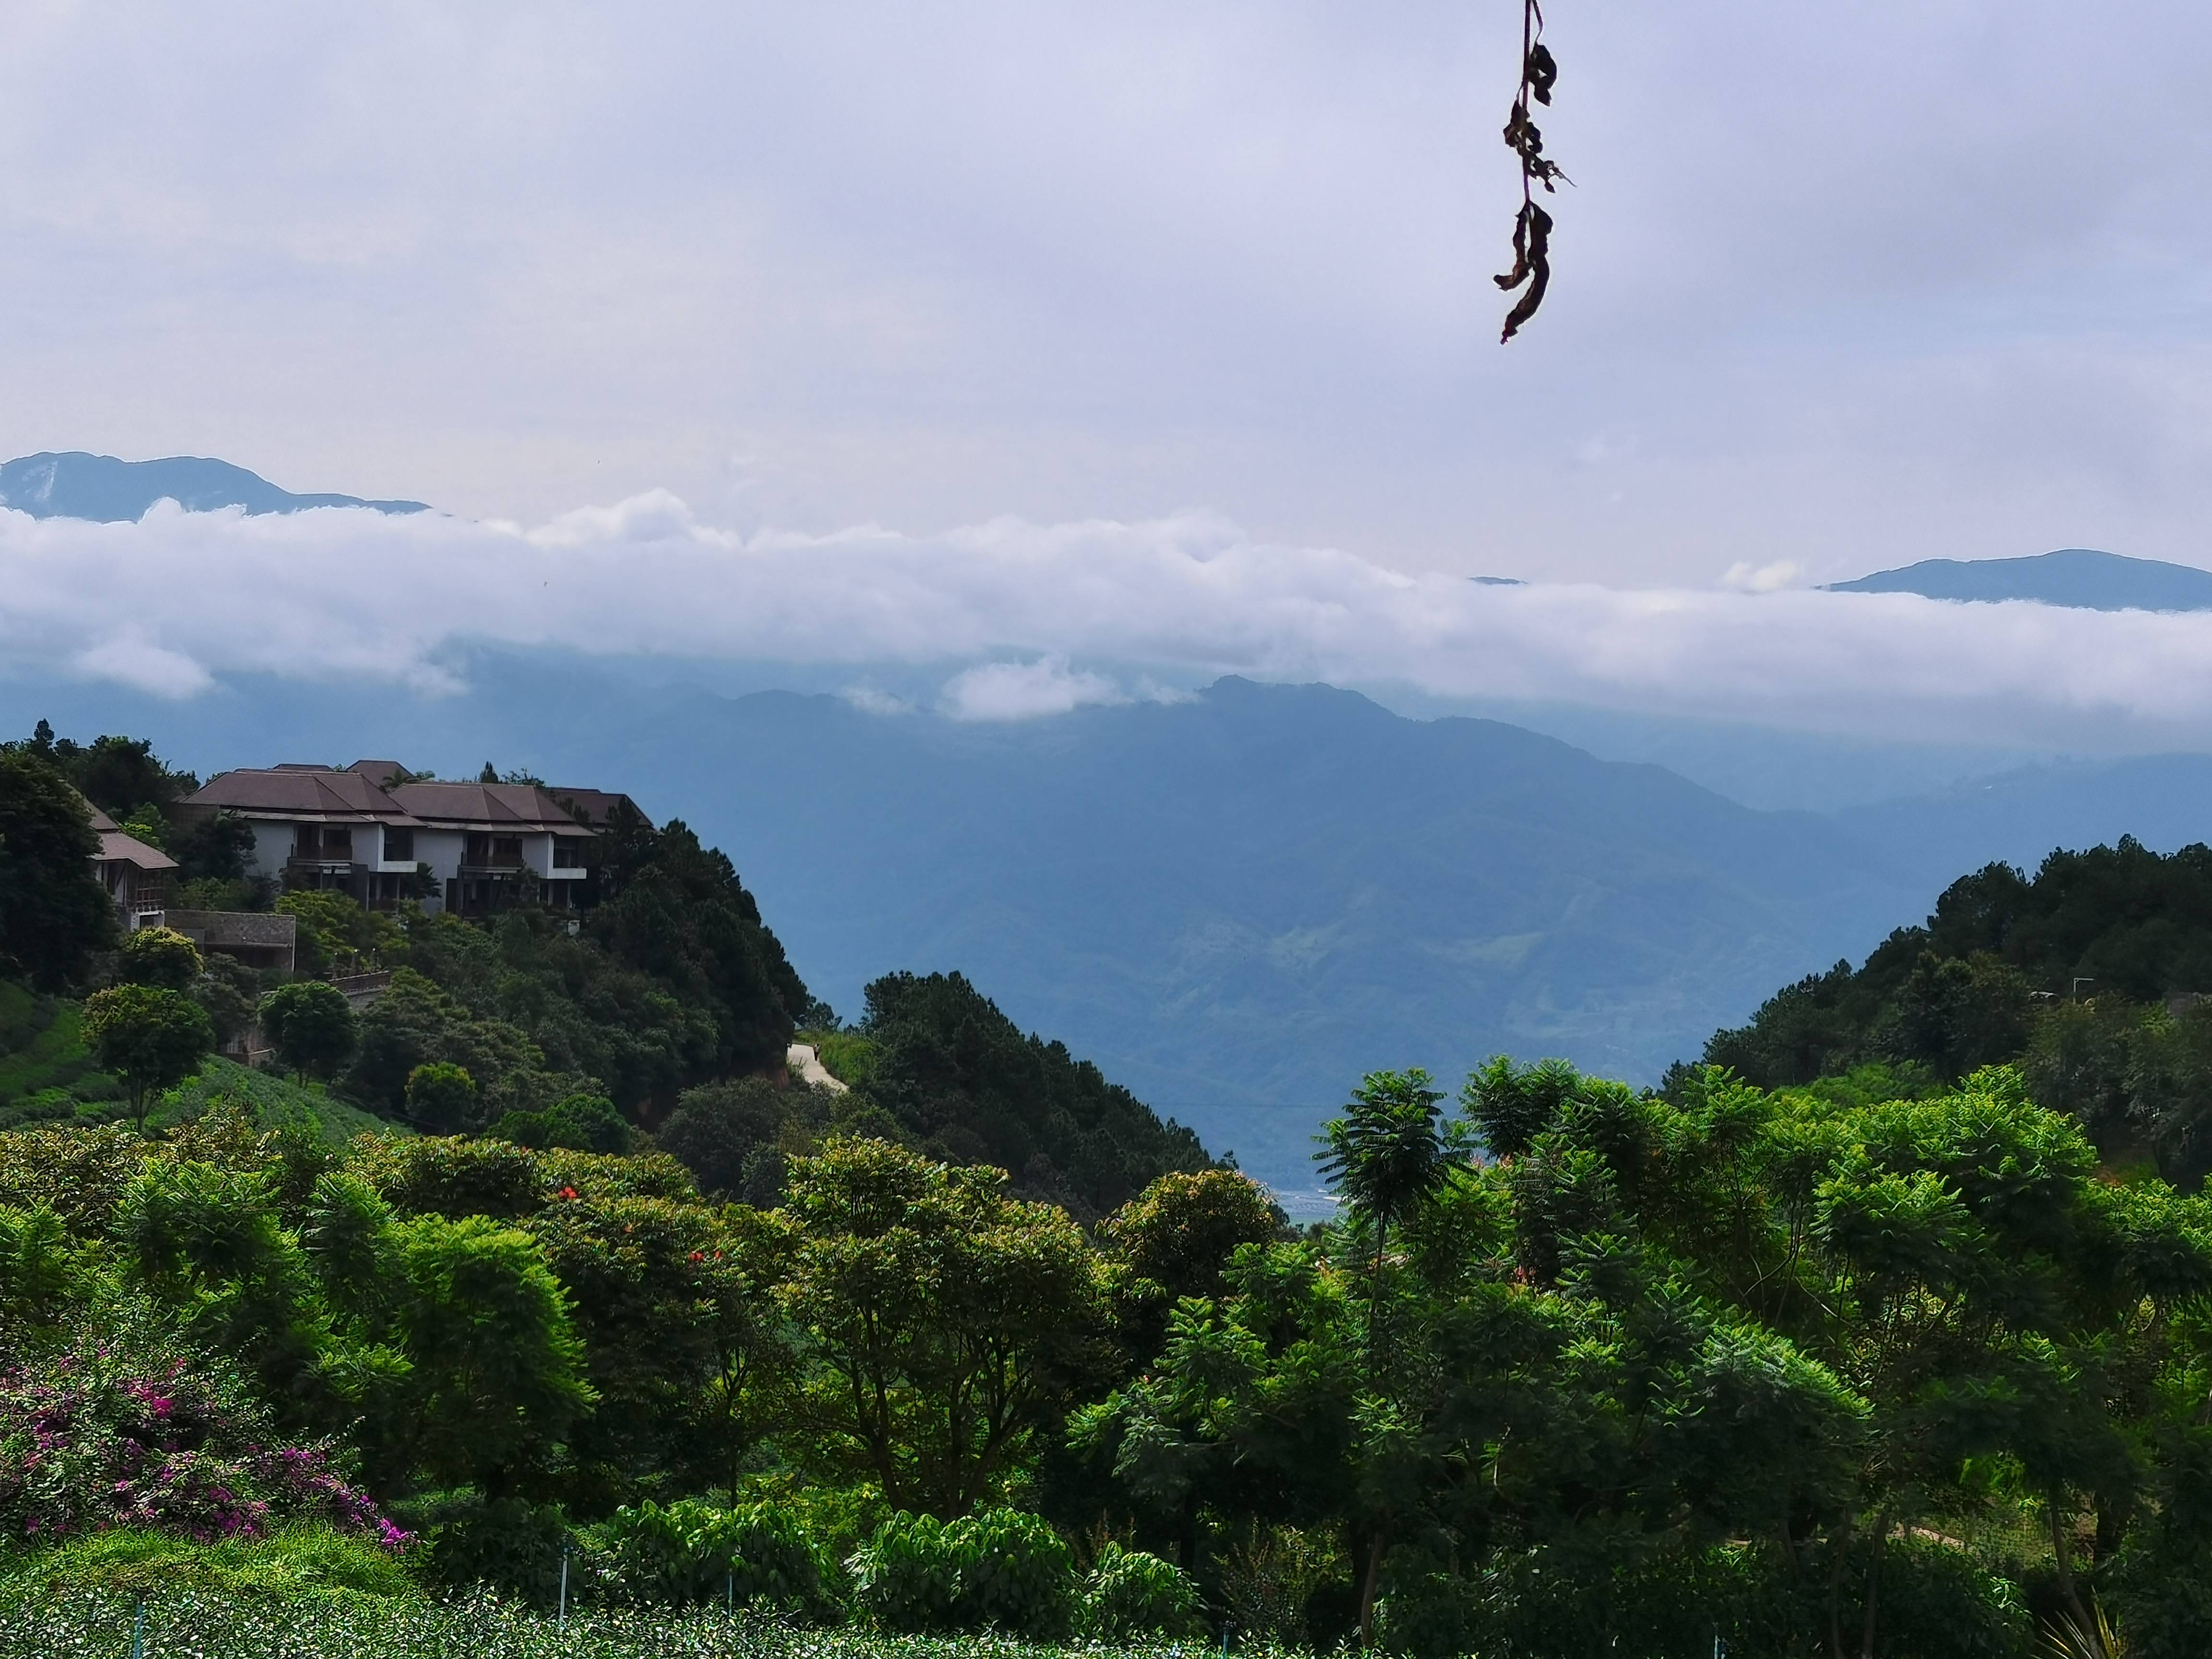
1130,1593
79,1173
506,1544
582,1123
120,1426
1002,1569
907,1577
454,1177
693,1552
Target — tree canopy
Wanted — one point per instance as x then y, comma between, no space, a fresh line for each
53,911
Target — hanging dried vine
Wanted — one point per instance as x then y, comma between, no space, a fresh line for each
1532,226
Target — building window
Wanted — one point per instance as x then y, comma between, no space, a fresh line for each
506,849
398,844
568,855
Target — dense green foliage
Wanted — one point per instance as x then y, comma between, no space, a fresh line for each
1886,1359
53,911
1955,993
2089,976
1772,1362
311,1026
961,1078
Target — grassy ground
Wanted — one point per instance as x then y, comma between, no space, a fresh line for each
202,1625
277,1100
312,1593
47,1077
45,1071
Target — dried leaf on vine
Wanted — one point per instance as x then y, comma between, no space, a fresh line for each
1532,263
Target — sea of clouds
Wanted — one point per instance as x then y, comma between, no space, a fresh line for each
1031,620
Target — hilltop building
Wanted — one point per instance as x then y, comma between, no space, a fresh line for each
137,876
377,833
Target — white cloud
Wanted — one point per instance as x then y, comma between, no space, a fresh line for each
1024,691
1032,619
1744,577
871,700
128,660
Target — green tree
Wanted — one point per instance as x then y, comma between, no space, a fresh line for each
579,1122
212,847
2169,1083
53,912
229,991
1510,1105
148,1038
209,1242
951,1323
730,1135
159,957
496,1366
337,934
310,1025
441,1098
966,1082
1385,1158
1174,1239
118,775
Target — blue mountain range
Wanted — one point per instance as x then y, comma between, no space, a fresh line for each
74,484
2080,578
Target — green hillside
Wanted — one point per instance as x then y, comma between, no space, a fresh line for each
2090,975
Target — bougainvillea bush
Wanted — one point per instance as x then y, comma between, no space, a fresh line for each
121,1425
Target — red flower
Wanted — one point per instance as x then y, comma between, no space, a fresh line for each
696,1256
566,1192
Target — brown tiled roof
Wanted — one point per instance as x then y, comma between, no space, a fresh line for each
485,806
116,847
382,773
322,796
101,821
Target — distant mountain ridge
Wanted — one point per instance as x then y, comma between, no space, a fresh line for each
75,484
1233,905
2079,578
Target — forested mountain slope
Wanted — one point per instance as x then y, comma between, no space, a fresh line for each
2091,974
1252,895
1234,904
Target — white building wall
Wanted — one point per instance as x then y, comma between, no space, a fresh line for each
442,850
272,845
538,854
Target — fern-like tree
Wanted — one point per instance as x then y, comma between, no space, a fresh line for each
1385,1158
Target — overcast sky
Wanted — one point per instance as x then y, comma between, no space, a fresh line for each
1841,286
1089,351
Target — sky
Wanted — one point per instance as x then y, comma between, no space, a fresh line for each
1836,288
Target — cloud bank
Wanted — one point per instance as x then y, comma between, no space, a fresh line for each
1033,619
1842,286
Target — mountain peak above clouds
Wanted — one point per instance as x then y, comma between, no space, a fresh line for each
74,484
2079,578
